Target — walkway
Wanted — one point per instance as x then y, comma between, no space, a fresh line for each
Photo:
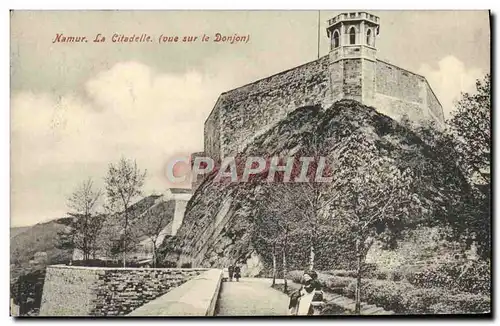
251,297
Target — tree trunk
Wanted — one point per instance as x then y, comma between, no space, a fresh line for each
311,256
154,254
284,261
274,264
358,278
125,238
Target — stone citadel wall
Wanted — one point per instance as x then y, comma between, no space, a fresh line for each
244,113
97,291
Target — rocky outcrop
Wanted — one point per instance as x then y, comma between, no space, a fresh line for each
221,222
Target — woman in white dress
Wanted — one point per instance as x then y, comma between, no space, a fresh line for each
301,300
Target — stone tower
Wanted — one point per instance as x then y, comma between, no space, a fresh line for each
353,55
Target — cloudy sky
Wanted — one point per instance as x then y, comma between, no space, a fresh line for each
75,108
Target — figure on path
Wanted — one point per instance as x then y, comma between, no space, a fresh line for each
237,273
230,272
302,299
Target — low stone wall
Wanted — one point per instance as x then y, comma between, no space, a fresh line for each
96,291
197,297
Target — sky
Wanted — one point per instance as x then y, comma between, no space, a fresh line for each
77,107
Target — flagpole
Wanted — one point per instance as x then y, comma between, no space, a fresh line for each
319,13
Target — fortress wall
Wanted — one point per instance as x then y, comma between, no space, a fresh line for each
396,108
97,291
396,82
352,79
369,69
212,133
249,110
433,103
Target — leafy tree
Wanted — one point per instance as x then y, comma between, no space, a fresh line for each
152,224
82,234
470,126
278,224
373,192
124,182
460,166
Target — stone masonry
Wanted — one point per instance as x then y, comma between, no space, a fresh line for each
351,70
94,291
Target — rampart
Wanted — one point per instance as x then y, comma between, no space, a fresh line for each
246,112
97,291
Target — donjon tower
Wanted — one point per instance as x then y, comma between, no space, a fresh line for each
351,70
353,55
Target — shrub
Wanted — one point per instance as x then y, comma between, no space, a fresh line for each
403,297
381,276
295,276
387,294
462,303
471,277
332,309
396,276
342,273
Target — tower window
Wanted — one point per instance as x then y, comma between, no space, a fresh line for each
369,37
352,35
336,39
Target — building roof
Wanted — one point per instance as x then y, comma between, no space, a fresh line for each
180,190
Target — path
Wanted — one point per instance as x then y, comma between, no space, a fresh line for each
251,297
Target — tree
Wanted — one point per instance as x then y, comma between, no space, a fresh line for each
307,197
470,126
83,205
268,236
124,182
152,224
374,191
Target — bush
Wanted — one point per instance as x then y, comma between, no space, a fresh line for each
462,303
381,275
27,291
295,276
334,284
342,273
337,282
471,277
386,294
403,297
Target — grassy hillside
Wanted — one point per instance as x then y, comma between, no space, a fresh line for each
17,230
38,238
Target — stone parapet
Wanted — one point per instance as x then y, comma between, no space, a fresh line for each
97,291
197,297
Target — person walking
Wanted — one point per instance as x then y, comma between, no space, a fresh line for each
230,271
237,273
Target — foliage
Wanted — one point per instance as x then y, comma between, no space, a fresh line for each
402,297
472,276
86,224
27,291
471,127
152,224
124,182
460,303
462,200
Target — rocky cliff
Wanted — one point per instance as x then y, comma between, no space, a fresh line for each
221,223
